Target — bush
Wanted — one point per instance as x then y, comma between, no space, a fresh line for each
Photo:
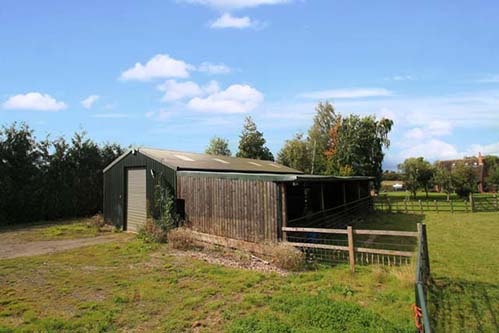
181,239
152,232
98,221
287,257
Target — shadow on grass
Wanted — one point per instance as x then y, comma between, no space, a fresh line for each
463,306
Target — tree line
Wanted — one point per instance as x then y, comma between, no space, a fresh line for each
50,179
419,174
335,145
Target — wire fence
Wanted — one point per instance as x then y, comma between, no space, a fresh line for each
365,247
336,217
357,247
401,205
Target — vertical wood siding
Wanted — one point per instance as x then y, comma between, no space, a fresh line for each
233,208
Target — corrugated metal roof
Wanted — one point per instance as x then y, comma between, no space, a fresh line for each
178,160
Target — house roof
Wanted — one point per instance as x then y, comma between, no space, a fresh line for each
179,160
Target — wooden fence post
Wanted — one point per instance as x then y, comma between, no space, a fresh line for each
466,205
421,206
390,205
451,207
405,203
351,252
436,205
472,203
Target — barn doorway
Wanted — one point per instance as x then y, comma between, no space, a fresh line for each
136,199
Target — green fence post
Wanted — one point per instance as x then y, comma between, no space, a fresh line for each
421,206
466,205
436,205
451,207
405,204
495,202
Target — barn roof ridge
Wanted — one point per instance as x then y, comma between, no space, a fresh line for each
180,160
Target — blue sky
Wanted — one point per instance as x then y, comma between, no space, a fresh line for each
172,74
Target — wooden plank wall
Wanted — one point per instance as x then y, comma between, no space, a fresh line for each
233,208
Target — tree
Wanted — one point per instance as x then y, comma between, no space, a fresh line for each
296,154
252,143
318,136
355,146
50,179
218,146
492,167
443,178
418,174
464,179
493,178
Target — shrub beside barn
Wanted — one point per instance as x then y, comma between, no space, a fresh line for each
235,198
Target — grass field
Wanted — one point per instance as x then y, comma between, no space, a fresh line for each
132,286
431,195
464,252
68,229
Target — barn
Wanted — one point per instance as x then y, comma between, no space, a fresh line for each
234,198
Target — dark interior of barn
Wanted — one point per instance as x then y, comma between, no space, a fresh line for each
325,203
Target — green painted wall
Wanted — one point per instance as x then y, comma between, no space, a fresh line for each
115,185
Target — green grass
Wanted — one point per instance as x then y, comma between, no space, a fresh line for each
139,287
66,229
464,252
431,195
132,286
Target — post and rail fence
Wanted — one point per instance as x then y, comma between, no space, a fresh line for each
348,248
471,205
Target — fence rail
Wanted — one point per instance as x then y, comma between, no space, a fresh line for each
471,205
362,250
346,250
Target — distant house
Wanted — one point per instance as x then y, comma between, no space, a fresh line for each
477,164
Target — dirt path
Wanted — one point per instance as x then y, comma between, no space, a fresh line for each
13,249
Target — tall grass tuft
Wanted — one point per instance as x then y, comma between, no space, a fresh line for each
287,257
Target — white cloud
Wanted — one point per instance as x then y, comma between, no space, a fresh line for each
34,101
207,67
490,149
111,115
161,115
402,78
235,99
178,90
89,101
433,149
347,93
159,66
236,4
434,128
229,21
